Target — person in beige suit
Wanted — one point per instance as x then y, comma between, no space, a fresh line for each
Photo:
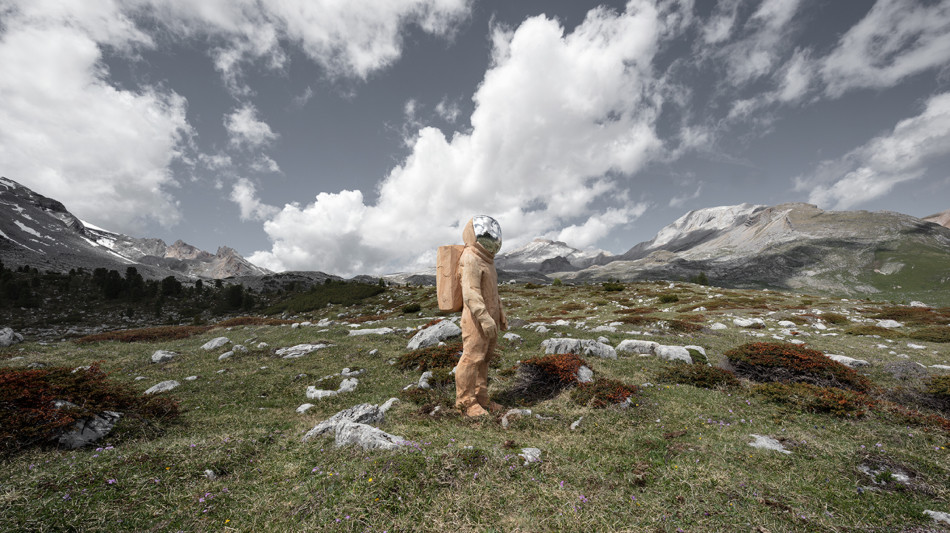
482,315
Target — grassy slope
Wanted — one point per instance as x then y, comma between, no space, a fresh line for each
677,460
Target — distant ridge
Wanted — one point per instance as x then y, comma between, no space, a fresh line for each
942,218
40,232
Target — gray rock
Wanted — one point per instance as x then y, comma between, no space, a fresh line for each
366,437
749,322
374,352
262,345
604,329
348,385
299,350
889,324
80,368
63,404
388,404
530,455
314,393
916,346
788,324
304,407
377,331
424,380
164,386
210,474
216,343
364,413
673,353
163,356
191,378
603,340
347,373
941,367
915,303
585,375
847,361
939,516
8,337
513,338
505,421
767,443
580,347
541,329
239,348
718,326
225,355
87,431
576,424
432,335
637,346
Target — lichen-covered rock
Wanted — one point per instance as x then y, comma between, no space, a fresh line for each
433,335
163,356
673,353
164,386
579,347
637,346
366,437
215,343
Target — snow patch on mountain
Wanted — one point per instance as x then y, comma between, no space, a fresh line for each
711,218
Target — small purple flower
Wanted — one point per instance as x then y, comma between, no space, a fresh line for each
111,481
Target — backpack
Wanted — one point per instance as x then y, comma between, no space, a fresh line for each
448,283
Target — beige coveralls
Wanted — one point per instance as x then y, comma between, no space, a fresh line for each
481,317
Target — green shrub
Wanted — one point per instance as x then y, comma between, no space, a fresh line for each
702,376
613,286
28,417
423,359
931,334
411,308
776,361
874,330
919,316
814,399
331,292
835,318
684,326
602,392
939,387
698,357
557,282
668,298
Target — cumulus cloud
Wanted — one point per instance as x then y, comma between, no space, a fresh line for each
896,39
246,129
66,132
244,194
874,169
560,121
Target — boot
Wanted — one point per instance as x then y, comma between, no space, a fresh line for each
475,410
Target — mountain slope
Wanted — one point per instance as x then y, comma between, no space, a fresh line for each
942,218
40,232
795,246
545,255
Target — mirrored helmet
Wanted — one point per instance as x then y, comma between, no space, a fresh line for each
487,233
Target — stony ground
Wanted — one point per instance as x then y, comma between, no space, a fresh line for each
678,459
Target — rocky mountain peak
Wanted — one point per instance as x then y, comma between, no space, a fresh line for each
182,250
942,218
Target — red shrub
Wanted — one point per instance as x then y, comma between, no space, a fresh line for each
776,361
602,392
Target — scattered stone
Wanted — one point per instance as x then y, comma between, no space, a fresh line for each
939,516
673,353
889,324
505,420
239,348
940,367
797,341
364,413
78,368
787,324
347,373
585,375
215,343
580,347
916,346
89,430
604,329
576,424
749,322
348,385
767,443
325,323
424,380
513,338
36,365
388,404
377,331
530,455
366,437
295,325
140,378
374,352
63,404
718,326
8,337
164,386
848,361
299,350
163,356
222,371
304,407
432,335
915,303
262,345
225,355
637,346
541,329
210,474
191,378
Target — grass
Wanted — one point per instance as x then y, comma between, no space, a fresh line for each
676,459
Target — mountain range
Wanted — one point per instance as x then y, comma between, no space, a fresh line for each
788,246
40,232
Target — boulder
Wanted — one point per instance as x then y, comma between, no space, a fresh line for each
847,361
225,355
673,353
216,343
788,324
513,338
299,350
366,437
749,322
8,337
164,386
585,375
364,413
304,408
939,517
163,356
377,331
541,329
348,385
718,326
637,346
239,348
433,335
86,431
530,455
889,324
580,347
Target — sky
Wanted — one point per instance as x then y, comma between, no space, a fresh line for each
356,137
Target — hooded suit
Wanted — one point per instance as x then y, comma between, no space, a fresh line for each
482,317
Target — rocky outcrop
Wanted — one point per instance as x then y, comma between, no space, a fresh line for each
582,347
433,335
90,430
8,337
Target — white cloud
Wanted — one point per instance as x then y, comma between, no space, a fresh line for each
244,193
765,40
558,120
896,39
67,133
264,163
301,101
874,169
448,111
599,226
680,201
246,129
